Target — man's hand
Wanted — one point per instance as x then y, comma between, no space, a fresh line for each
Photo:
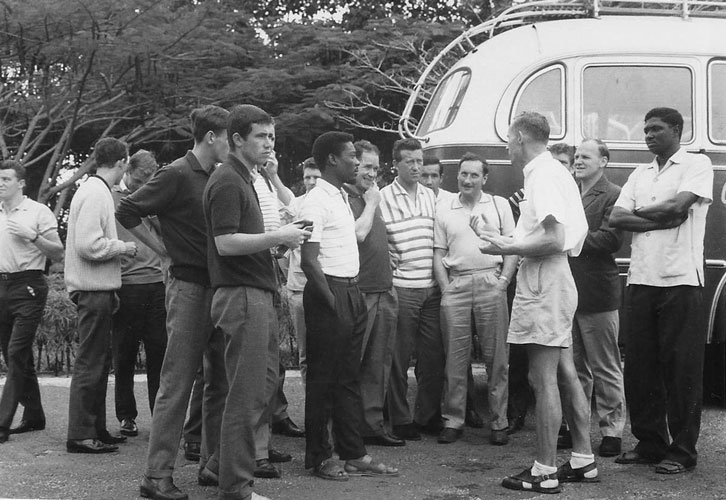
21,230
480,225
271,165
130,249
293,235
372,196
495,244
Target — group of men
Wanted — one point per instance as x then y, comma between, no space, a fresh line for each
374,278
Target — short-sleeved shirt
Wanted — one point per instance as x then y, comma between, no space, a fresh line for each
444,195
410,229
550,190
375,263
18,254
296,279
669,257
269,204
453,234
334,228
230,207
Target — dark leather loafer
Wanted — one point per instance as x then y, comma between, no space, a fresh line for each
192,451
449,435
384,439
92,446
610,446
266,470
161,489
499,437
207,478
28,426
278,457
129,428
288,428
408,432
106,438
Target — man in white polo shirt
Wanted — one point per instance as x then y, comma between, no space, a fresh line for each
552,226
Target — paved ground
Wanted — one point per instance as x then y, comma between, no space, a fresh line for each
36,465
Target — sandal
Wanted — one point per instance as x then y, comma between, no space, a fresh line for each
361,467
671,467
329,470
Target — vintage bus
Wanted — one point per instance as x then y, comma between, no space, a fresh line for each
593,69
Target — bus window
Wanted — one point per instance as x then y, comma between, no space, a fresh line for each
616,99
544,93
717,102
445,103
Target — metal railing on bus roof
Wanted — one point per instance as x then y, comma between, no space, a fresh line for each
548,10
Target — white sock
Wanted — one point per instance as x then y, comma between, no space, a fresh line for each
540,470
580,460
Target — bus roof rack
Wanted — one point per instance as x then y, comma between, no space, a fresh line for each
531,12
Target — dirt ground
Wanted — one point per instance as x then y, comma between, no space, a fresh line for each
36,465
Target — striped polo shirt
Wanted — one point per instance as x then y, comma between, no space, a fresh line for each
269,204
410,228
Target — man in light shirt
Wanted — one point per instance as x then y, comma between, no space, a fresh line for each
432,175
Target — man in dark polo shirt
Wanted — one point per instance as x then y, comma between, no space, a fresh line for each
174,195
376,283
244,281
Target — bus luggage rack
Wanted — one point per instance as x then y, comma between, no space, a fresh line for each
549,10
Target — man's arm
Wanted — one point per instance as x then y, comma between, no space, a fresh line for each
364,223
291,235
441,274
283,193
310,265
548,242
674,208
150,239
153,198
605,239
626,220
47,242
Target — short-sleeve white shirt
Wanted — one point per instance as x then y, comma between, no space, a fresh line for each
18,254
669,257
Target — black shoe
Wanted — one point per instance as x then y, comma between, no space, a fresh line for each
92,446
128,427
610,446
515,424
586,474
525,481
105,437
263,468
499,437
449,435
192,451
161,489
635,457
4,433
278,457
473,419
564,440
287,428
207,478
28,426
408,432
384,439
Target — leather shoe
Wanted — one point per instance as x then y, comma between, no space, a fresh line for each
207,478
278,457
473,419
4,433
499,437
384,439
408,432
28,426
128,427
192,451
161,489
449,435
288,428
89,446
105,437
610,446
265,469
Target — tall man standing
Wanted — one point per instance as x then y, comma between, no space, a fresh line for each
174,194
665,203
92,276
552,226
28,235
596,324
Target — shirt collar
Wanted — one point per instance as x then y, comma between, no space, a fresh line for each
537,160
102,180
676,158
329,188
239,167
400,190
194,163
23,205
456,201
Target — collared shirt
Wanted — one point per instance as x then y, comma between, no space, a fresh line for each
18,254
550,190
269,202
669,257
453,234
444,195
410,228
334,228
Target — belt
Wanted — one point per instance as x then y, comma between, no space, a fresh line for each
342,281
469,272
33,273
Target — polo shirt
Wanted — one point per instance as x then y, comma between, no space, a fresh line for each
18,254
230,207
375,264
334,228
269,204
549,189
453,234
669,257
410,229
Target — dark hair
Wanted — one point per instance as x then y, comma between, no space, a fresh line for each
432,160
602,148
364,146
15,166
532,124
242,117
308,163
405,144
108,151
208,118
563,149
669,115
475,157
143,162
327,144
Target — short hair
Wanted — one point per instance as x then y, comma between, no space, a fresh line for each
327,144
109,150
669,115
408,144
475,157
242,117
602,148
14,165
363,146
563,149
207,118
308,163
432,160
143,162
532,124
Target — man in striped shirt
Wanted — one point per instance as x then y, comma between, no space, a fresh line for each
408,210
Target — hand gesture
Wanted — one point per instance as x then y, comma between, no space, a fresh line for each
293,235
495,244
271,165
481,225
372,196
21,230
